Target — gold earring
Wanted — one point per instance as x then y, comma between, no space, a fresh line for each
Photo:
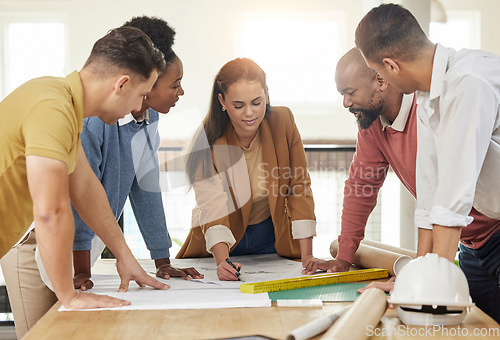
223,109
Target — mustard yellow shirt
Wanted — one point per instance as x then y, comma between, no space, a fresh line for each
42,117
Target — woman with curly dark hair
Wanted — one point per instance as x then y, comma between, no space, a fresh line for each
124,157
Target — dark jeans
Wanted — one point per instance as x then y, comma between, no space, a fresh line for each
482,268
258,239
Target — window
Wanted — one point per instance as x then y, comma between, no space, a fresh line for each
461,30
298,52
31,46
31,49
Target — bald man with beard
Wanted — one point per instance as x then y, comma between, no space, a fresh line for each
387,137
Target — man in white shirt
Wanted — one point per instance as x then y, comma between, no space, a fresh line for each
458,136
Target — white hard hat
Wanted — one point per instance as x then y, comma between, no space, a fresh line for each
430,290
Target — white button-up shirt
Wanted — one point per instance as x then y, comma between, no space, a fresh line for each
399,123
458,136
130,118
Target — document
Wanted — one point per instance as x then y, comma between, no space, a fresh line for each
208,292
148,298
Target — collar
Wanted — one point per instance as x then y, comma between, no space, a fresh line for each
130,118
404,111
439,68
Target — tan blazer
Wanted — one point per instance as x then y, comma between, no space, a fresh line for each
226,198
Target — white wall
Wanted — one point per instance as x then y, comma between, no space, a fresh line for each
205,41
490,25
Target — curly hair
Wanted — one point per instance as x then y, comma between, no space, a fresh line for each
158,31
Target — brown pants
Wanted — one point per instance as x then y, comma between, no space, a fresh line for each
29,297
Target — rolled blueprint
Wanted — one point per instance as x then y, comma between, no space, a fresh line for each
365,312
372,257
315,327
403,251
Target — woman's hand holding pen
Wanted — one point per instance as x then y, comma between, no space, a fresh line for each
225,272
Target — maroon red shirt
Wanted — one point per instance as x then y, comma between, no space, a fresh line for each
377,148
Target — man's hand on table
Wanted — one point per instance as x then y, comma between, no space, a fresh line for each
129,269
88,301
330,266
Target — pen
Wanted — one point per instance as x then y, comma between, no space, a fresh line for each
240,278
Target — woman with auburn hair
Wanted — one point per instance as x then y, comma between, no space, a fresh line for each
248,168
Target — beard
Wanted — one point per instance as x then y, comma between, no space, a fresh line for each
366,117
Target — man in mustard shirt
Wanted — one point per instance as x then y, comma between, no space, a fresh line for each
43,166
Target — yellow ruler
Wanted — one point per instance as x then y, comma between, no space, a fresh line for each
313,280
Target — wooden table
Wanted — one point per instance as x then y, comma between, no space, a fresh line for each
274,322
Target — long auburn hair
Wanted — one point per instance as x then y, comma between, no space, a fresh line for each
215,123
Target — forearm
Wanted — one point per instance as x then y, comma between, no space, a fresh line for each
54,235
93,207
81,262
220,251
150,216
355,212
305,248
424,245
445,241
90,200
366,175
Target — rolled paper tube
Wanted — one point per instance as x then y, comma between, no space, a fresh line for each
315,327
334,248
403,251
371,257
365,312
